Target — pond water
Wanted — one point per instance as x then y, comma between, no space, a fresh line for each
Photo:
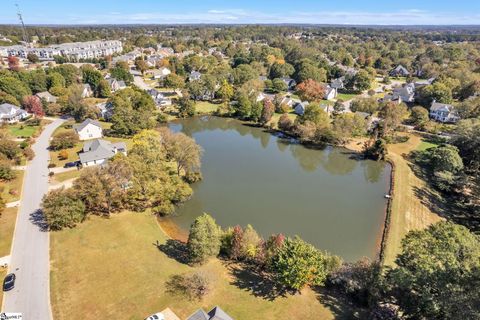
253,177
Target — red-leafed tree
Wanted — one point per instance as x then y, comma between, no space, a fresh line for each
32,104
13,63
267,112
310,90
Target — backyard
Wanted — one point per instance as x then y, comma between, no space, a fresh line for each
11,190
139,263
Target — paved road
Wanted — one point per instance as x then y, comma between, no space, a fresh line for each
30,258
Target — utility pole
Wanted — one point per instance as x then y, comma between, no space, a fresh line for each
24,30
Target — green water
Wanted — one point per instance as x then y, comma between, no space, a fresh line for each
252,177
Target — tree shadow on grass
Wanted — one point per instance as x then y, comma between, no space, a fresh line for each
256,281
339,305
174,249
38,219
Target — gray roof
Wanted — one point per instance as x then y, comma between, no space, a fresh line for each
121,84
6,110
47,96
436,106
81,126
100,149
215,314
199,315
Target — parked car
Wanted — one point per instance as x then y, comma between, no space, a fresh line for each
71,164
9,282
156,316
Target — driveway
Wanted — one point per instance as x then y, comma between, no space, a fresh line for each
138,81
30,258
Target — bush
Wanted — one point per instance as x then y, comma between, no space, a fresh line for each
204,239
64,140
194,286
9,148
51,165
63,155
285,123
6,172
28,153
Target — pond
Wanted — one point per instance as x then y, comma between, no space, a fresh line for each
253,177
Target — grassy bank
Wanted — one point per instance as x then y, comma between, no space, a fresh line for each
7,227
114,268
409,209
12,190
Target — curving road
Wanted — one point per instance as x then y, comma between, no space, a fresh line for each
30,258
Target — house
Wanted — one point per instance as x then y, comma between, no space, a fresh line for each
289,82
160,73
87,91
116,85
327,108
405,93
215,314
286,100
422,83
89,129
399,71
47,97
98,151
105,110
265,96
194,75
159,98
11,114
443,112
300,107
338,83
330,93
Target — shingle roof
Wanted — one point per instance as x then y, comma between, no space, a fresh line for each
218,314
199,315
7,108
86,122
100,149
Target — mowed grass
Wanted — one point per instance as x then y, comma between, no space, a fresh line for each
7,227
276,117
112,268
409,210
22,130
12,190
63,176
346,96
424,145
205,107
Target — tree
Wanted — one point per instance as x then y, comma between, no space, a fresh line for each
285,123
267,112
446,158
33,104
298,264
186,107
204,239
310,90
62,209
14,87
9,148
8,98
466,139
63,140
132,111
376,150
141,65
6,171
183,150
419,116
280,70
121,72
13,63
279,85
243,106
369,105
54,80
32,57
434,263
103,89
306,69
256,113
91,76
362,80
244,73
393,115
437,91
225,92
174,81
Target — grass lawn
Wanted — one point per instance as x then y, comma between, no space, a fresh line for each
20,130
424,145
14,186
63,176
112,268
277,116
72,155
94,101
205,107
409,210
346,96
7,226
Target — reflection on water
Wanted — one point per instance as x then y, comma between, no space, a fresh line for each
252,177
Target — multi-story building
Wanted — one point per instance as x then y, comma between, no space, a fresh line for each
74,51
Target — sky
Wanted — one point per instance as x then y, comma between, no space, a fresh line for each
370,12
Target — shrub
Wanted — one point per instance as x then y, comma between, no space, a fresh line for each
6,172
204,239
285,123
64,140
28,153
194,286
63,155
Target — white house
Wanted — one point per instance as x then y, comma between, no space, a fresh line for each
87,91
89,129
98,151
116,85
11,114
330,93
160,73
443,112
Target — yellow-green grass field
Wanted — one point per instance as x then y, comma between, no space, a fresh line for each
64,176
346,96
21,130
12,190
113,268
409,209
7,227
276,116
205,107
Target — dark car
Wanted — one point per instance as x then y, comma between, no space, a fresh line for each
71,164
9,282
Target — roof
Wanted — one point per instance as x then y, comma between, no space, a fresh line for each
86,122
100,149
7,110
218,314
199,315
46,95
121,84
436,106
